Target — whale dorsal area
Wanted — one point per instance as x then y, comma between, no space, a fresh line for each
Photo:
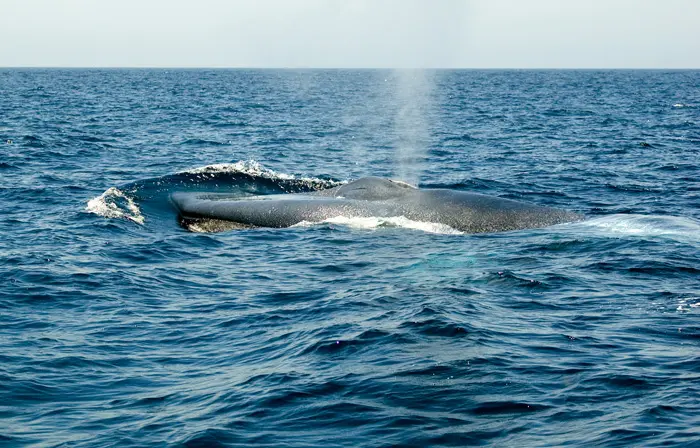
374,189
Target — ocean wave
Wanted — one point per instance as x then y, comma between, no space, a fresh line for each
376,222
119,201
113,203
256,169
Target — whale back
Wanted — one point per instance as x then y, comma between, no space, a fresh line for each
374,189
375,197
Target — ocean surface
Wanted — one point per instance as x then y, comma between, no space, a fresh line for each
119,327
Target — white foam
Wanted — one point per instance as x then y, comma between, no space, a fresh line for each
113,203
675,227
376,222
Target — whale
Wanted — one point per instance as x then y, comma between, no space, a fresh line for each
372,197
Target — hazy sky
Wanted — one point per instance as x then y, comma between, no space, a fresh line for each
351,33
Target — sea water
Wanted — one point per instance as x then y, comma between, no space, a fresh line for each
119,327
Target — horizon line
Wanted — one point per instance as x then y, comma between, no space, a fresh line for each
205,67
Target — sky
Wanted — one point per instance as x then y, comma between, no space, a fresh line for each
351,33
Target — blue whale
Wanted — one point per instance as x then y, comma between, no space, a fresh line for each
372,197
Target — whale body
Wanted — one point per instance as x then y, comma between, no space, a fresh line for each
373,197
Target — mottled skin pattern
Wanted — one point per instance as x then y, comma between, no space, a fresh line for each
378,197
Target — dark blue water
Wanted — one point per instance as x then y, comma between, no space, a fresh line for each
120,328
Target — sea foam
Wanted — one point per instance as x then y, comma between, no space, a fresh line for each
376,222
113,203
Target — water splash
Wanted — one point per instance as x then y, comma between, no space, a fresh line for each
252,167
256,170
114,203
